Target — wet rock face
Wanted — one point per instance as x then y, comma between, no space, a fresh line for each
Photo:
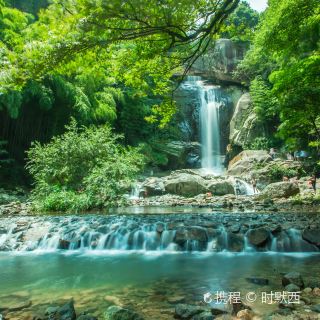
312,236
258,237
220,61
244,124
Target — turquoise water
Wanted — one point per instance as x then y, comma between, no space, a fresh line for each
145,281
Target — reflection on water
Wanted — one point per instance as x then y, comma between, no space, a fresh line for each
133,276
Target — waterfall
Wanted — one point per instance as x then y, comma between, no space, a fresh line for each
210,129
131,233
242,187
135,191
210,101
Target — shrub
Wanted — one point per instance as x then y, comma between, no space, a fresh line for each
259,143
82,169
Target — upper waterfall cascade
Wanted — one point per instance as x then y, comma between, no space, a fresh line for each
210,102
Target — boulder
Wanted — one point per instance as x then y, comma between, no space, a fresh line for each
153,186
181,154
185,184
119,313
66,312
312,236
258,236
293,278
198,234
279,190
220,187
235,242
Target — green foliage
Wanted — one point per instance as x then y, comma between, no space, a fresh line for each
259,143
4,155
282,68
81,169
264,102
277,172
241,24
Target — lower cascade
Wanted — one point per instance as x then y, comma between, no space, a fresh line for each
203,232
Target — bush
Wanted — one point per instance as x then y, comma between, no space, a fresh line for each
277,172
259,143
82,169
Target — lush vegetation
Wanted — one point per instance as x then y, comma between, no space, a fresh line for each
113,66
282,70
82,169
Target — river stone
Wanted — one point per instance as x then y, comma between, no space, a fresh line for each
292,288
279,190
237,307
66,312
312,236
245,314
198,234
220,187
293,278
258,236
235,242
119,313
186,311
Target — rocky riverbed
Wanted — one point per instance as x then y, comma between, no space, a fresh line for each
168,298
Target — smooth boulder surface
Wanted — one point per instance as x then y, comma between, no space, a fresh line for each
185,184
279,190
258,236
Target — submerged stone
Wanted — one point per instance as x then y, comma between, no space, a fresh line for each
293,278
119,313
